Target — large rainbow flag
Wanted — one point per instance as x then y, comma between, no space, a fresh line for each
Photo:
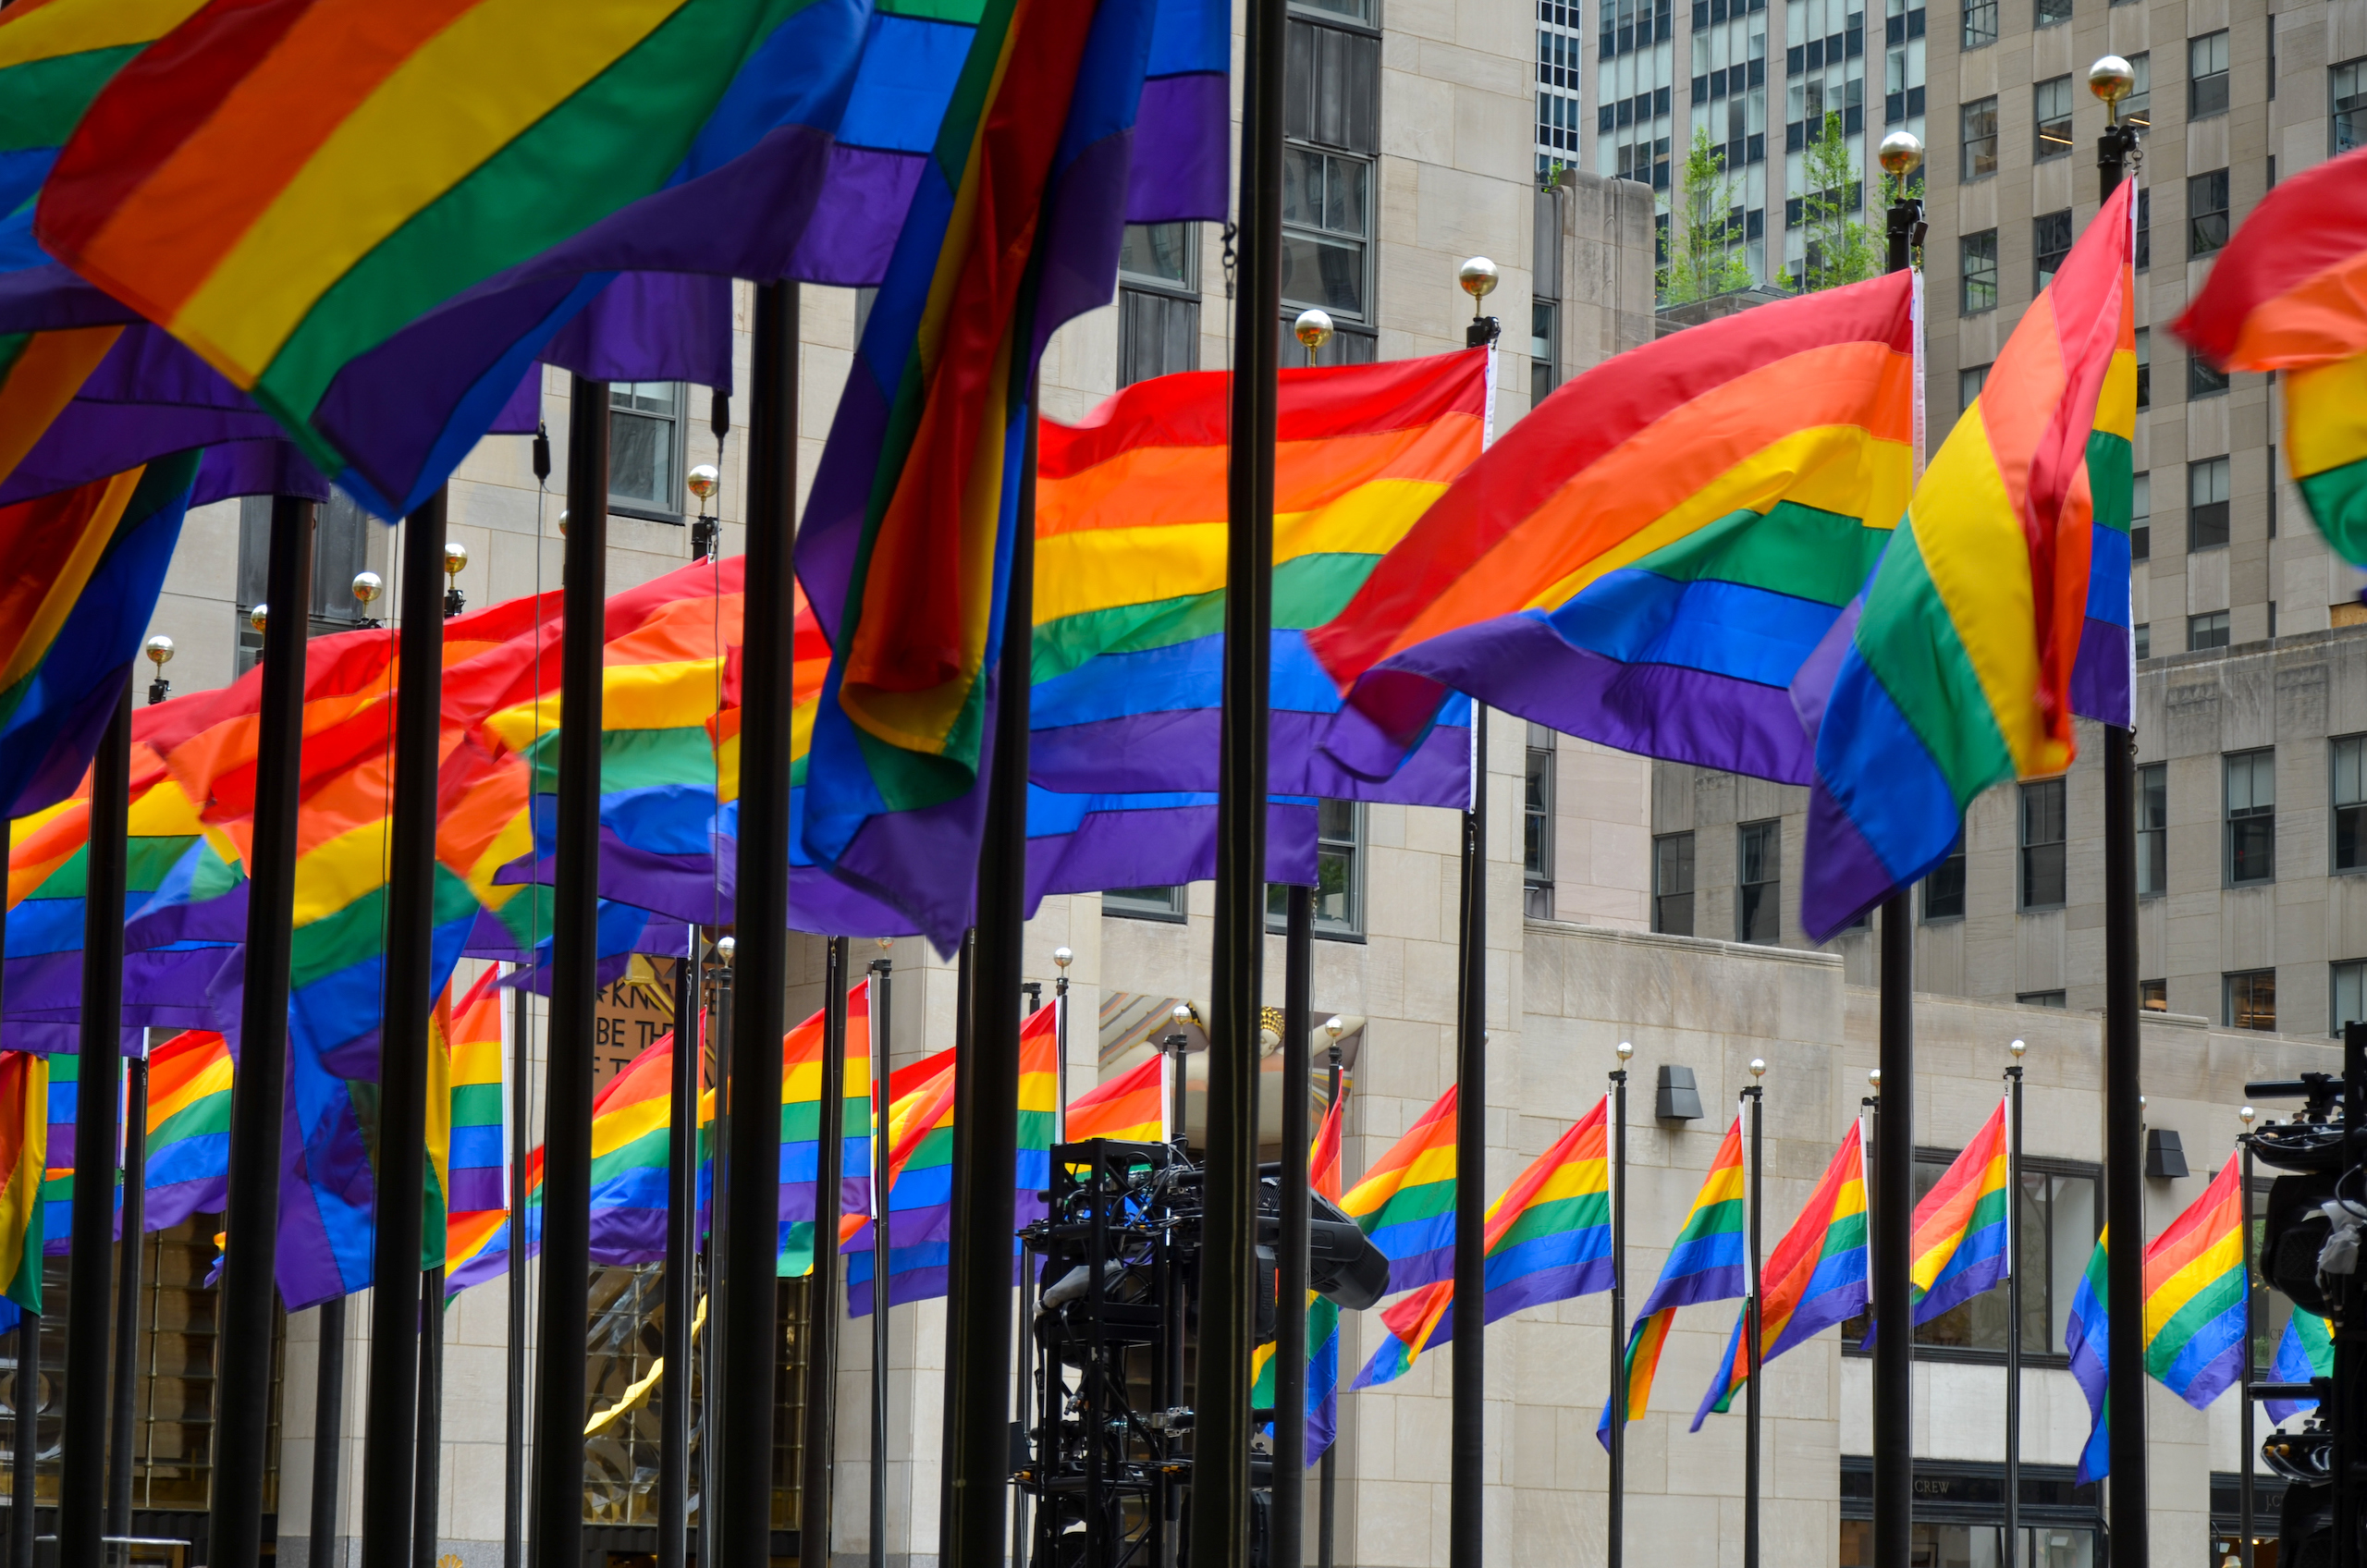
908,561
1962,1229
2285,295
1815,1278
477,1157
1705,1263
1958,671
1406,1201
1548,1238
801,1129
1650,557
2197,1292
188,1128
57,1179
2304,1353
2086,1339
1130,562
1131,1108
24,1141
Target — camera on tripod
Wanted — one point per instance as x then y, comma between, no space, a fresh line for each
2311,1243
1105,1453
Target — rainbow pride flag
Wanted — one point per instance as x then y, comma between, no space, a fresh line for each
1705,1263
57,1179
1325,1166
1322,1323
188,1128
1648,558
2197,1286
477,1163
2304,1352
2087,1339
1130,563
1815,1278
1548,1238
24,1141
1958,670
1131,1108
908,561
1406,1201
1962,1229
801,1129
2285,295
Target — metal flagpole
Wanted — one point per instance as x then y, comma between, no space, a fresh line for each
1024,1328
127,1302
1615,1533
1327,1517
2013,1306
2246,1452
1289,1533
328,1431
760,957
715,980
964,1020
821,1431
560,1375
681,1290
82,1483
1220,1501
1893,1195
427,1490
24,1471
513,1358
882,988
390,1424
2110,80
1752,1343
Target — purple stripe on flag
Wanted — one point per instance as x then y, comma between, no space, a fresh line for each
49,297
1188,120
1853,878
651,327
269,466
852,230
176,1201
474,1188
2100,680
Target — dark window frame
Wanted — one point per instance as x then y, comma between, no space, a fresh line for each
1673,853
2248,853
1763,897
2042,806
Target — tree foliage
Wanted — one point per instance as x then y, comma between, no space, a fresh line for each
1703,257
1842,248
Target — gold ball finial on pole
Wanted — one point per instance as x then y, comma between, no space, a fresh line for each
703,482
1626,1052
1313,329
1758,1068
2112,78
2017,1048
1478,277
1901,153
259,617
367,586
159,650
1064,957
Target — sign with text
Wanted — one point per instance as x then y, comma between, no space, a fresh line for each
628,1016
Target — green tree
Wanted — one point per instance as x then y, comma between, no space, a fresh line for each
1702,259
1842,249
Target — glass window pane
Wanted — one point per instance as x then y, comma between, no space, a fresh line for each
1159,251
2348,1003
1343,201
1324,273
2071,1239
641,461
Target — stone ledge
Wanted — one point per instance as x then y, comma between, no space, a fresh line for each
1704,945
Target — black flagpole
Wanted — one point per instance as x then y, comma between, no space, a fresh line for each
560,1372
883,970
127,1302
964,1019
1615,1535
1753,1345
682,1293
1290,1332
2123,1086
986,1092
513,1356
821,1434
81,1484
2245,1451
1220,1505
390,1433
760,955
1466,1529
1894,1194
1326,1508
2014,1307
427,1490
328,1431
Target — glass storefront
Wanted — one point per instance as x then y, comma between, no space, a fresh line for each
1960,1516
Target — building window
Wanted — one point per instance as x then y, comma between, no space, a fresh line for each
2145,367
1545,296
2250,1000
645,430
1979,23
1673,884
1145,903
1977,269
1944,888
2153,996
342,533
2140,518
2051,13
2204,379
2042,844
2154,829
2346,106
2350,802
1537,825
2206,75
1330,117
1158,301
2050,242
1977,130
1758,915
2050,105
1969,381
2137,109
2054,999
2061,1214
2204,633
2206,212
2252,816
2206,504
2144,228
2144,639
2347,1003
